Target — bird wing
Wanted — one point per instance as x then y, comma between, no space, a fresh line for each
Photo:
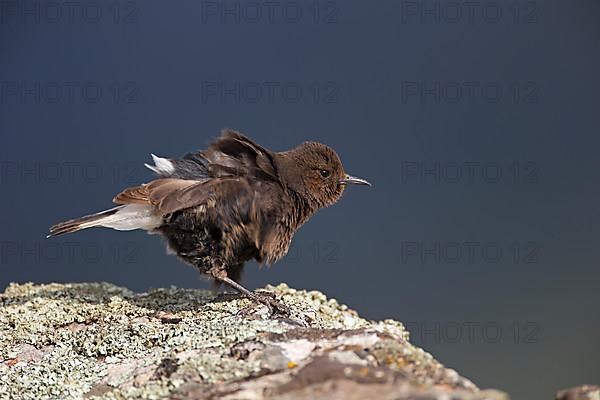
237,155
235,203
233,154
169,195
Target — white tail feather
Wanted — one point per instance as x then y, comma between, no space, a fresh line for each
132,216
122,218
161,165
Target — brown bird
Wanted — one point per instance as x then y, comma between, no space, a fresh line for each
234,202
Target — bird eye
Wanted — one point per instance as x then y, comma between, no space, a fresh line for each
324,173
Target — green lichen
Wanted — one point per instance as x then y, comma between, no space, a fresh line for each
61,341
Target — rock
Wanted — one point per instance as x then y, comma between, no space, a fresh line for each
100,341
585,392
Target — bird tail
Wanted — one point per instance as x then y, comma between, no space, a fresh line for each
122,218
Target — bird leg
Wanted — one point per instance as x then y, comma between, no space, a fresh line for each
271,303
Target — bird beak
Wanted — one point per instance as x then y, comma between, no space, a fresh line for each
353,180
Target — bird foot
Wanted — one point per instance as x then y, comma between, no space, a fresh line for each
276,308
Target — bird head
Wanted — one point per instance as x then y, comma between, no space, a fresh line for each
315,172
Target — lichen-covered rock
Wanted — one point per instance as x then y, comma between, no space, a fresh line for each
100,341
585,392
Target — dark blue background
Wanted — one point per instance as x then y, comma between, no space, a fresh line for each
64,157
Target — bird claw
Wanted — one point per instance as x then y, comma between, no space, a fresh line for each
276,308
280,309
